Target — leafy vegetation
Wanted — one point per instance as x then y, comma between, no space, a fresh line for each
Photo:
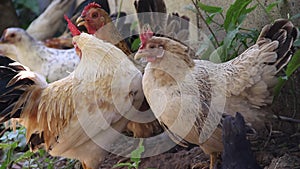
15,153
293,65
237,38
26,10
135,158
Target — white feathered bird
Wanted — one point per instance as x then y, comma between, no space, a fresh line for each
53,64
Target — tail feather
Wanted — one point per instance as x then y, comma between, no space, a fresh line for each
150,12
11,89
285,33
20,94
154,14
5,61
150,6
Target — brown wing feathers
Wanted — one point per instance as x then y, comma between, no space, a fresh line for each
285,33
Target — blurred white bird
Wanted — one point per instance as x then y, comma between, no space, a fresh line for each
53,64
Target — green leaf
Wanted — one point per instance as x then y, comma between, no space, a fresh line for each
245,13
272,5
26,155
135,158
249,10
122,165
217,56
135,44
134,25
234,13
136,154
210,9
229,37
294,64
42,152
3,166
209,18
5,145
205,48
297,43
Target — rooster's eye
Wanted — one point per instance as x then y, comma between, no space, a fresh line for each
95,15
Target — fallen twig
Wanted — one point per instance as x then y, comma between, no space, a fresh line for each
288,119
269,136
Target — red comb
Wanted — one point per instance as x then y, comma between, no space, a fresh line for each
88,7
145,35
74,30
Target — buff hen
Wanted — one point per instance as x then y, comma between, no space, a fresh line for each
189,96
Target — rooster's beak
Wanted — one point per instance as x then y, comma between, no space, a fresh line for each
80,21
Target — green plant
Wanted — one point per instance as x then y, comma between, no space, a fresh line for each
16,153
135,158
236,37
10,142
293,65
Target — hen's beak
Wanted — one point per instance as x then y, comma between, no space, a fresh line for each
80,21
149,53
2,39
140,54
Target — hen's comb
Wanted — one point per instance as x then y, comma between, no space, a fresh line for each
145,35
74,30
88,7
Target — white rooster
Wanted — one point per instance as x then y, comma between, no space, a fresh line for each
80,115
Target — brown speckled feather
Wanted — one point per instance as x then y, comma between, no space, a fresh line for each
190,96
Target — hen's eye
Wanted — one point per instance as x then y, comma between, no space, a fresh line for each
12,35
151,46
95,15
